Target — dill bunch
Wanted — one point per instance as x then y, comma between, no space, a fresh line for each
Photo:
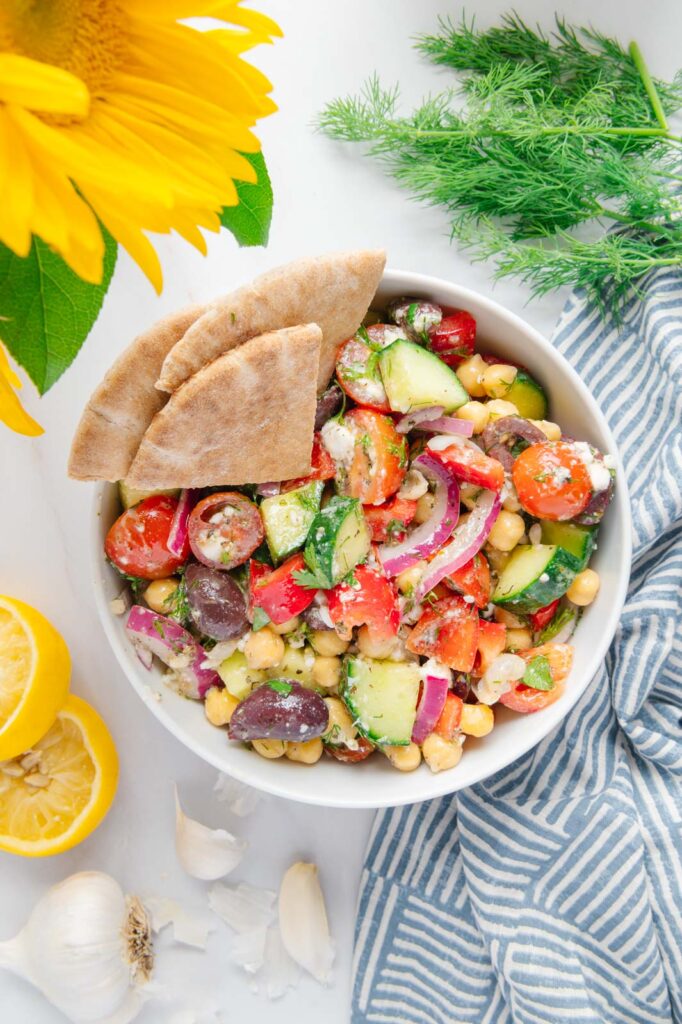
542,135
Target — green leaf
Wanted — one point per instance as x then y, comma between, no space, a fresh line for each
260,619
310,580
538,674
249,221
47,310
280,686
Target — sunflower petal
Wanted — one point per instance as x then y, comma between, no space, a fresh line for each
13,414
37,86
5,368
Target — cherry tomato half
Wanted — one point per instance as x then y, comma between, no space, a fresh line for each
526,700
454,339
322,467
357,370
388,522
370,601
473,580
552,481
224,529
137,543
492,638
447,630
470,465
379,459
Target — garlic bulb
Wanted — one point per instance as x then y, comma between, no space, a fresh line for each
205,853
87,947
303,921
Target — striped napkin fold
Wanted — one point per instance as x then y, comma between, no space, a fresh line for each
552,892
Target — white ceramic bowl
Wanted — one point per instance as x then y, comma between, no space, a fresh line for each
375,783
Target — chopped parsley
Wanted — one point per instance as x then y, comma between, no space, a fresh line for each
311,580
281,686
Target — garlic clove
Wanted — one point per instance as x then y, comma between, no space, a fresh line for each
303,921
240,799
205,853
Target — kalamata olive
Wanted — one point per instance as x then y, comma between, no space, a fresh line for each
216,603
328,405
461,685
415,316
280,709
316,615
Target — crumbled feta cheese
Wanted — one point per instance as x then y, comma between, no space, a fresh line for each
468,599
117,606
414,486
544,578
339,442
535,534
609,462
600,478
433,667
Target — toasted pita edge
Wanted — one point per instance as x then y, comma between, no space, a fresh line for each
334,290
247,417
125,402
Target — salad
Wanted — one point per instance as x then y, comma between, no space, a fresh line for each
431,565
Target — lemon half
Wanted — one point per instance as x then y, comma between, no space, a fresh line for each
55,794
35,668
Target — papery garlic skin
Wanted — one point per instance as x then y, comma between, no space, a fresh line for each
86,947
205,853
303,921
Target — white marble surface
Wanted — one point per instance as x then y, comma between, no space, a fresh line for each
326,198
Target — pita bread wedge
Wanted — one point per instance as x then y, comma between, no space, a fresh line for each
247,417
123,405
333,291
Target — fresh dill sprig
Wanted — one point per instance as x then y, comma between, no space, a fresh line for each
544,134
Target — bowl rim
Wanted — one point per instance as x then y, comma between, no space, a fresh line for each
407,282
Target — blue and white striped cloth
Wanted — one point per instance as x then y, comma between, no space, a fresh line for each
553,891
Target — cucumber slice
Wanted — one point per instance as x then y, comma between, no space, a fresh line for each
572,537
528,396
288,517
129,496
414,378
239,679
534,576
382,698
338,539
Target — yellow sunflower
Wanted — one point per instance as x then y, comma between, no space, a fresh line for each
114,109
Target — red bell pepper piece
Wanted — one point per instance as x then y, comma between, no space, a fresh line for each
543,616
450,717
471,466
371,601
473,580
447,630
278,593
388,521
322,467
492,638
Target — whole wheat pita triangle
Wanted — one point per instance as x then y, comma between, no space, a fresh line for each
123,405
247,417
333,291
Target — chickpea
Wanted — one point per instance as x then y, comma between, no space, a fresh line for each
470,374
584,588
410,577
518,640
511,503
508,619
159,593
264,649
340,728
507,531
477,720
374,648
497,408
286,627
498,379
406,758
309,752
441,754
327,643
424,507
219,706
326,672
269,748
476,413
552,431
413,486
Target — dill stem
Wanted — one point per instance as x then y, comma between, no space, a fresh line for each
568,129
624,218
647,82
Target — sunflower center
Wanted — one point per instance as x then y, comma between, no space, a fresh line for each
86,37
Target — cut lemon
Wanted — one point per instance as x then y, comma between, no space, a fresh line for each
56,793
34,676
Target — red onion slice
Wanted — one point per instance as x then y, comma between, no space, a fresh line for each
466,542
447,425
268,490
431,535
408,422
177,538
430,706
167,640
